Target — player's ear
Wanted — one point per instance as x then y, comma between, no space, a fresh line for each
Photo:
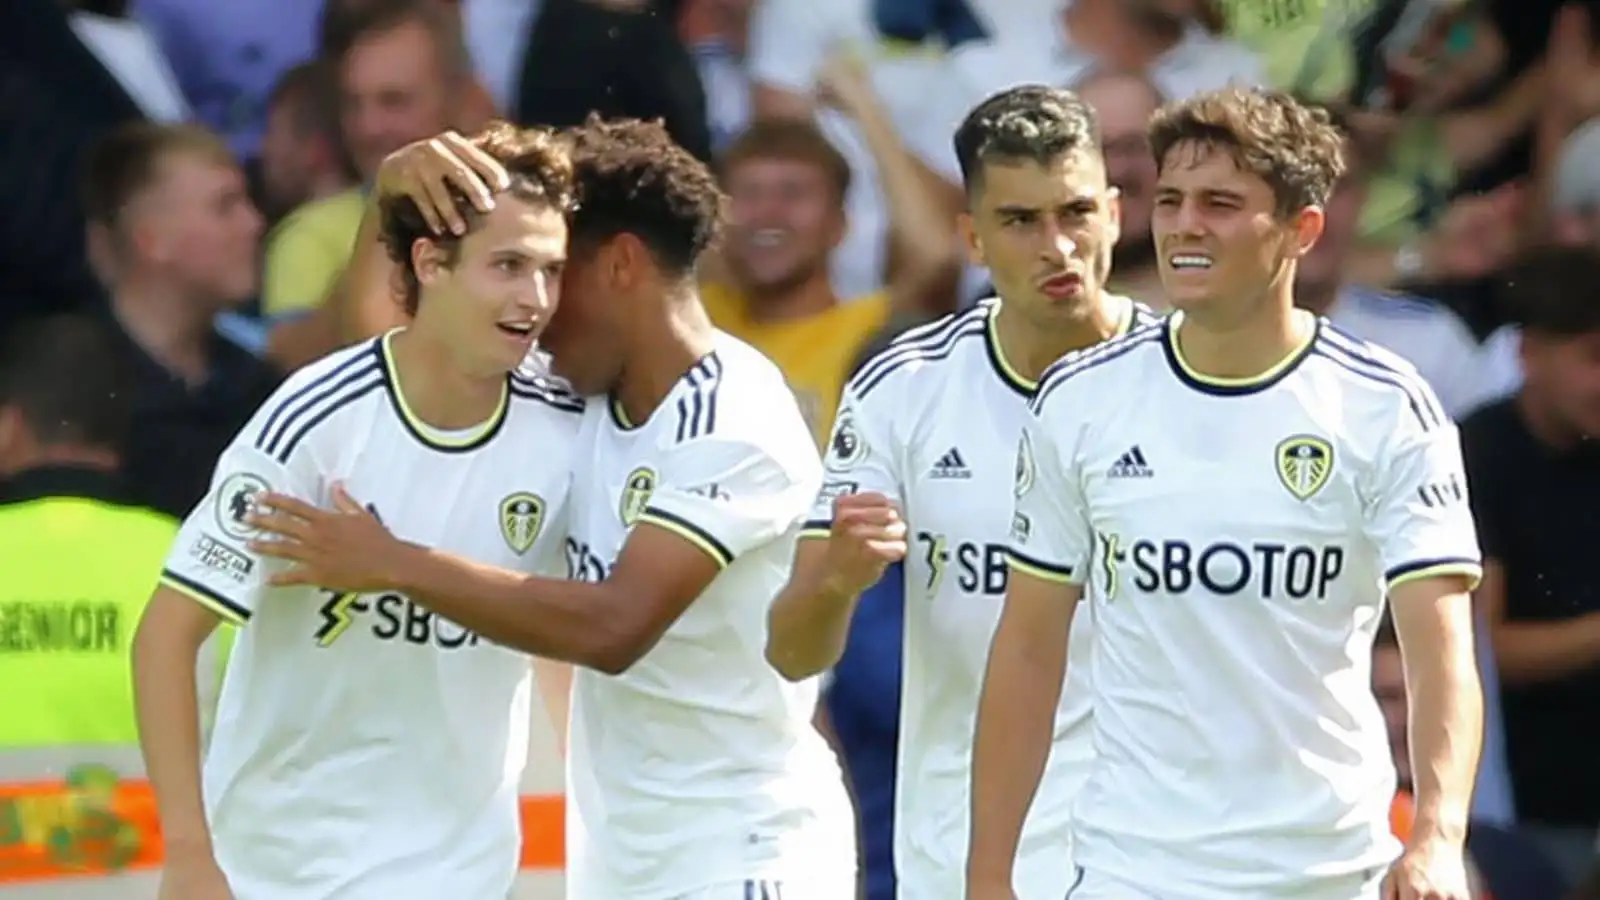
970,239
1306,228
1114,214
428,260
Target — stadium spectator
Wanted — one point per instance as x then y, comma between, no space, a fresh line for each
175,235
404,74
788,186
1534,472
302,150
1124,101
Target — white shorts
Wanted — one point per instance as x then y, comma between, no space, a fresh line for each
1100,886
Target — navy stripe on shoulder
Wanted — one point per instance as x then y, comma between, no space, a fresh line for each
313,402
697,409
936,341
1368,361
1065,368
1143,315
543,390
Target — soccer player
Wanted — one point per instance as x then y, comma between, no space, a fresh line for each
364,748
927,430
1236,489
693,769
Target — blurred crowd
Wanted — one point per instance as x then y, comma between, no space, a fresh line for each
185,179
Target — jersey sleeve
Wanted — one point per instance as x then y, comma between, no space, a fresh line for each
728,496
1050,533
860,458
1420,515
210,562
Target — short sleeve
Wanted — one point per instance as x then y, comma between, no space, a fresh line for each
1050,533
1420,514
729,496
210,562
860,458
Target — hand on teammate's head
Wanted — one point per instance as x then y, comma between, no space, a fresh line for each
429,172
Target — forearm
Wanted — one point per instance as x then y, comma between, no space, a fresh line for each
1539,652
1446,737
808,626
569,621
1016,720
1473,137
166,707
922,234
362,297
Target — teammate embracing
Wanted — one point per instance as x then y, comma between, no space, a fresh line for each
365,749
927,432
1235,491
694,772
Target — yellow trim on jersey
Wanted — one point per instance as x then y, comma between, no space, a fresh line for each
1008,371
217,605
434,437
1037,570
690,532
1472,571
1272,372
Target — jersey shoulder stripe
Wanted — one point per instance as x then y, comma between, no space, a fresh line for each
928,343
697,407
318,395
1375,364
1073,364
544,390
1143,315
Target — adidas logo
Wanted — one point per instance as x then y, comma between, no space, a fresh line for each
1131,464
950,465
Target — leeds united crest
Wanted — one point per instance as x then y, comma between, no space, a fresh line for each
1304,464
521,519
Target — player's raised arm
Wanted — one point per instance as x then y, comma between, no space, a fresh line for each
1050,546
211,575
1422,525
716,499
854,532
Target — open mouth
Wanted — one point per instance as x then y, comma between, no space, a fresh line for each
1189,262
1061,285
523,330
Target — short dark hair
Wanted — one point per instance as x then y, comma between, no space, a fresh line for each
346,23
631,178
787,139
1031,123
128,160
541,171
69,378
1555,291
310,91
1294,148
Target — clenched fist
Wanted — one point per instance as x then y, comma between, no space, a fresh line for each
867,535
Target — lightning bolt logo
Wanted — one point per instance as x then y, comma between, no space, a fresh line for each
336,619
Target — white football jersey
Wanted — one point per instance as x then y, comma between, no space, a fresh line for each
932,422
1237,539
699,765
1425,334
365,748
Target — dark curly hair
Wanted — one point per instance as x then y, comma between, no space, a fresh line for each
540,164
1296,149
631,178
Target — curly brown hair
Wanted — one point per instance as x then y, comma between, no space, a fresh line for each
632,178
1294,148
539,162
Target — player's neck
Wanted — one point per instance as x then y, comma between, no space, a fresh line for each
174,329
436,388
1030,349
665,351
1246,346
788,302
1316,299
